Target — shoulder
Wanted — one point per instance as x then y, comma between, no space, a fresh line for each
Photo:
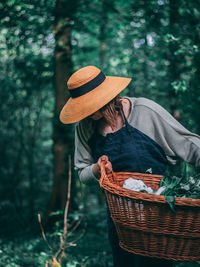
146,105
84,129
81,126
146,110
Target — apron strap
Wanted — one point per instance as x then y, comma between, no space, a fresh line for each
125,119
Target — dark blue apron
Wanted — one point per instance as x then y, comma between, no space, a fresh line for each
129,150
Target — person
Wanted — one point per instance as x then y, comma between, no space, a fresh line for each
128,133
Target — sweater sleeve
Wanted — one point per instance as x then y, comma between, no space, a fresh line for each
175,140
82,157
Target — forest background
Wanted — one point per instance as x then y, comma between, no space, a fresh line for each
155,42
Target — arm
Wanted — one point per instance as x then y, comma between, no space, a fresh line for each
83,160
175,140
88,171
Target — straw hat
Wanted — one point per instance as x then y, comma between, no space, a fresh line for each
90,90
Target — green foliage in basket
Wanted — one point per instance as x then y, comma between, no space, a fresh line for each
184,186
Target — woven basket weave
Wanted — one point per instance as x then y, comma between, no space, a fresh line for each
146,225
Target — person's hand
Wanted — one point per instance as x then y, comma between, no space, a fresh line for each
97,167
108,164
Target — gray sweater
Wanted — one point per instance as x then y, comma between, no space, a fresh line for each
151,119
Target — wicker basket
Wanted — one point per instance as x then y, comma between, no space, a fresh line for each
146,225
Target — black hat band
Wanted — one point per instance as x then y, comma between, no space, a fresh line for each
89,86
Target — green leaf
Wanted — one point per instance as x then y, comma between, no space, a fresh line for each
171,201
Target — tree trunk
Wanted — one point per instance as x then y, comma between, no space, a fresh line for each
62,133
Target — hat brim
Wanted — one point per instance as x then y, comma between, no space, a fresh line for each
79,108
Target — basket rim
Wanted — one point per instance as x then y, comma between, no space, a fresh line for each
107,185
152,197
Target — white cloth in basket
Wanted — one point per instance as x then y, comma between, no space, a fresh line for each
138,185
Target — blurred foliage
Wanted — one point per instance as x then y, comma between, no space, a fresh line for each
26,53
155,42
88,250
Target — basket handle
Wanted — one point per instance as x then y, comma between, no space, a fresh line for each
103,172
